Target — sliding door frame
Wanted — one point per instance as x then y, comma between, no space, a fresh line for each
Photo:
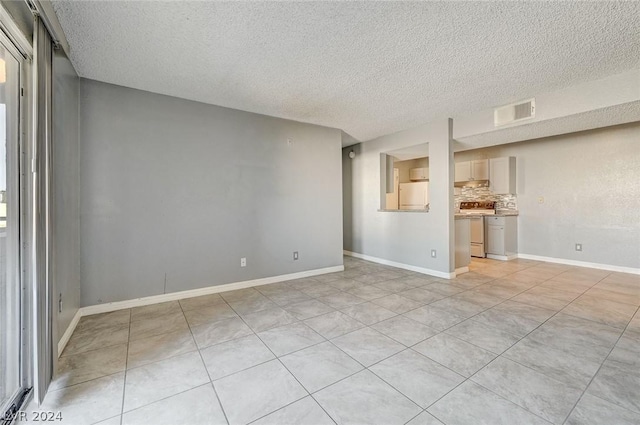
14,41
40,186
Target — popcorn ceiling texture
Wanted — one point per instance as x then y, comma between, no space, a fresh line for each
368,68
503,202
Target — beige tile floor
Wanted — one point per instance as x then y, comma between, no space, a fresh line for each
517,342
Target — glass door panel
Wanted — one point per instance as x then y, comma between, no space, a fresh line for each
10,285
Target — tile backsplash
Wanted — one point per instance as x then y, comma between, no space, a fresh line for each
503,202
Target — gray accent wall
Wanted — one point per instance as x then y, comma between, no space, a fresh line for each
175,192
590,185
401,237
66,191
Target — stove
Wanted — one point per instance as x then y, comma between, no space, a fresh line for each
478,208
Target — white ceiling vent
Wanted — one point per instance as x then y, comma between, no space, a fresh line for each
515,112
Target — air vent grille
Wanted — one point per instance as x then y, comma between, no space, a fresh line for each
523,110
515,112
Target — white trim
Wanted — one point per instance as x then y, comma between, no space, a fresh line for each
67,334
173,296
422,270
15,34
44,9
502,257
461,270
154,299
600,266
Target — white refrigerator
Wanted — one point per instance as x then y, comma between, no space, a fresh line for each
414,196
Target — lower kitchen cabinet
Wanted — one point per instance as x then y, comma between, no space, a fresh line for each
501,237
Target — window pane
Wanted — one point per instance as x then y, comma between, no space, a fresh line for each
9,229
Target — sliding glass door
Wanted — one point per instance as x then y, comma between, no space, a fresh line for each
11,293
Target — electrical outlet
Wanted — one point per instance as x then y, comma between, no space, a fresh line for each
578,247
433,253
295,255
243,262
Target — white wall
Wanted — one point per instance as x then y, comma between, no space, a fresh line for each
175,192
590,185
403,237
66,190
606,92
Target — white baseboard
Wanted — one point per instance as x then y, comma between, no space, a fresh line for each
422,270
67,334
600,266
173,296
502,257
461,270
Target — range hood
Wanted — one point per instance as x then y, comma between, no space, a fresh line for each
472,183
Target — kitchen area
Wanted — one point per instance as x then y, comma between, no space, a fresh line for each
410,185
408,190
486,204
486,209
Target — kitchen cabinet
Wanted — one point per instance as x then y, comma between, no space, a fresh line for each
480,169
462,244
502,175
495,240
419,174
502,237
463,171
472,170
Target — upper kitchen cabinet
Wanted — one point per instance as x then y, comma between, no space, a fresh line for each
418,174
472,170
480,169
502,175
463,171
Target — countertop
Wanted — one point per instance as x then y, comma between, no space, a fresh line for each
503,213
406,211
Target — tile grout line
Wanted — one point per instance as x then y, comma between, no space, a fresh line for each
498,356
340,349
392,386
600,367
425,287
501,354
284,366
406,348
163,398
365,326
465,378
204,363
419,413
224,413
126,365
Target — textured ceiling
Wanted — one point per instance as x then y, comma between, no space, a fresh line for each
368,68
